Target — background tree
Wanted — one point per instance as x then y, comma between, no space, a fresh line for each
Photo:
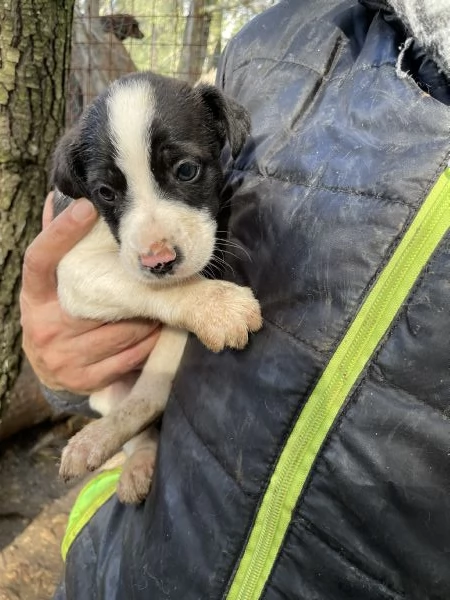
34,48
195,39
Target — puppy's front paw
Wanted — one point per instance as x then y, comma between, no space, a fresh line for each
89,449
135,480
226,316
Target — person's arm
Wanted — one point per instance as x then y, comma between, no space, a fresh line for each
68,354
62,401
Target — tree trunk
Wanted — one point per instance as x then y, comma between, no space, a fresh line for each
195,41
34,49
93,8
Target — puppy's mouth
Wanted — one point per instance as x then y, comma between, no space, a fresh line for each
161,259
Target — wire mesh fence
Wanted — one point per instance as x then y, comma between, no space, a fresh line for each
179,38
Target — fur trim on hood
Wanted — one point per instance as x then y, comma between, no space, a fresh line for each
429,22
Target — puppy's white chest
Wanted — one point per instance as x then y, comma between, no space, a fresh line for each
90,274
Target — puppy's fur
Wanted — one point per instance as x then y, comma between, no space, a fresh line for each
147,154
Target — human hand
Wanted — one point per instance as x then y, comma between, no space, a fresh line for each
68,353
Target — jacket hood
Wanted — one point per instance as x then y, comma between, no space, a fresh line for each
427,20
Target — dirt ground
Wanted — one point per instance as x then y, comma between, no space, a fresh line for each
34,506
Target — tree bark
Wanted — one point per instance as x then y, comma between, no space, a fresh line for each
34,54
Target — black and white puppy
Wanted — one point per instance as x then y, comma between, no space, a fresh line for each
147,154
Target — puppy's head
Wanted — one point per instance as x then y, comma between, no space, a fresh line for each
147,154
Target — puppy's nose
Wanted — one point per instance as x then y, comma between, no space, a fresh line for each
159,258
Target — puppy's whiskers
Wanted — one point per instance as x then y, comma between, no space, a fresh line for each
219,264
232,243
225,247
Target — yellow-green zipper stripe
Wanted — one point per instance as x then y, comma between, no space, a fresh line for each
374,318
91,498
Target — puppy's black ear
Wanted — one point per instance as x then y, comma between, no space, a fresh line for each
68,172
232,120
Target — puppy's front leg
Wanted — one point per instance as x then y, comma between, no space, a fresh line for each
93,284
101,439
219,313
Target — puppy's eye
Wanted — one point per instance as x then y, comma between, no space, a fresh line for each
187,171
106,193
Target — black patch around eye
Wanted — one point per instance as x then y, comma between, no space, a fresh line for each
108,188
185,163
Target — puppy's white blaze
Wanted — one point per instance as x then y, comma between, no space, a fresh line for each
150,216
131,108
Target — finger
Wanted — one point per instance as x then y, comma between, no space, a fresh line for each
47,214
111,339
101,374
45,252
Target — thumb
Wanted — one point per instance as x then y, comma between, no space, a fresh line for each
47,213
49,247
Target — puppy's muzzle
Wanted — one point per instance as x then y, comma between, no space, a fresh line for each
160,258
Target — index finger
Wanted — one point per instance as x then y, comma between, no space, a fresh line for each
49,247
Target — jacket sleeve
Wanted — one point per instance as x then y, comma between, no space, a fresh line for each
68,402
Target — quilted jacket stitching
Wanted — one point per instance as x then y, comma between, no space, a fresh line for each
296,338
324,188
302,521
208,448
